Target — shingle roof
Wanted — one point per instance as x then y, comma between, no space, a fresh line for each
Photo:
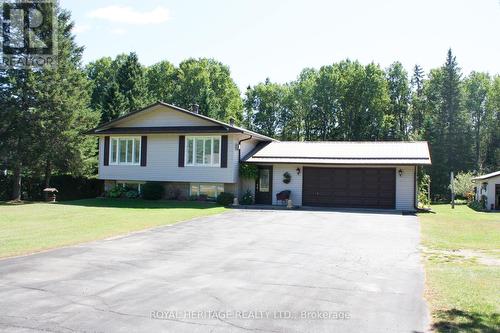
488,175
336,152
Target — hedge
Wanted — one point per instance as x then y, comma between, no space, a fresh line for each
69,187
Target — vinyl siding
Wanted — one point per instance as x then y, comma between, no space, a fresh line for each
162,164
162,116
405,194
490,190
295,185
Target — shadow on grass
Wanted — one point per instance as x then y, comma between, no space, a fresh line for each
16,203
138,203
455,321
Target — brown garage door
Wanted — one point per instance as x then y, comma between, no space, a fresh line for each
349,187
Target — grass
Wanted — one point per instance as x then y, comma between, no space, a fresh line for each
463,294
32,227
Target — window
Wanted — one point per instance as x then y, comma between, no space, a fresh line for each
203,150
264,180
210,190
125,151
131,186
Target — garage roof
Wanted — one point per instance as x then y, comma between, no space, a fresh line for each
341,152
489,175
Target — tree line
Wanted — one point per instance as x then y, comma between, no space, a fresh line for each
44,112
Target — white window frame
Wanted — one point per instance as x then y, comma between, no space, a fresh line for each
204,138
117,152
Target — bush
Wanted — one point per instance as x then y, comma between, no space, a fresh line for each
225,198
152,191
69,187
462,184
247,198
117,191
479,205
193,197
132,194
248,171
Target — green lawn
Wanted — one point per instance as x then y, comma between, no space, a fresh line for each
463,292
32,227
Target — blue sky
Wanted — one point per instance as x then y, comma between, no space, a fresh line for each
278,38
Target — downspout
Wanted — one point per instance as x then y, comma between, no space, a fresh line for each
239,146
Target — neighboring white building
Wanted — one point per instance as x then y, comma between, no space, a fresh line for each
489,186
194,154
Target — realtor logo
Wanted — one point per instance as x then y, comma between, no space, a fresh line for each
28,33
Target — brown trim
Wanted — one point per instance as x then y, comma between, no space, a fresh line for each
167,129
182,147
144,150
223,151
106,151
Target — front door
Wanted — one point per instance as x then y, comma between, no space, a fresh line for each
264,186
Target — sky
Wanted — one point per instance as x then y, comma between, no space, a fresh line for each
278,38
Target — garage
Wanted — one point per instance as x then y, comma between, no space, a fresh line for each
349,187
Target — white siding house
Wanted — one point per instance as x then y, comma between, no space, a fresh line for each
488,186
193,154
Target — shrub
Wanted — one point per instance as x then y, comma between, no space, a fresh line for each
462,184
202,197
152,191
173,192
478,205
248,171
193,197
225,198
117,191
247,198
132,194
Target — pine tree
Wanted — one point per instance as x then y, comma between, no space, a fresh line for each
132,83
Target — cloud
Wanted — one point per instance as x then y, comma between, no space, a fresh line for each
118,31
123,14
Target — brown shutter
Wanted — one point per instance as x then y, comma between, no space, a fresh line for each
106,150
223,152
182,140
144,150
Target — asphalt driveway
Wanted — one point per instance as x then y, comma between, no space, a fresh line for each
262,271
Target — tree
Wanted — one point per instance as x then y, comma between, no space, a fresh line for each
45,110
476,88
264,103
399,94
300,103
462,184
161,81
417,101
131,80
208,83
492,154
447,127
63,110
